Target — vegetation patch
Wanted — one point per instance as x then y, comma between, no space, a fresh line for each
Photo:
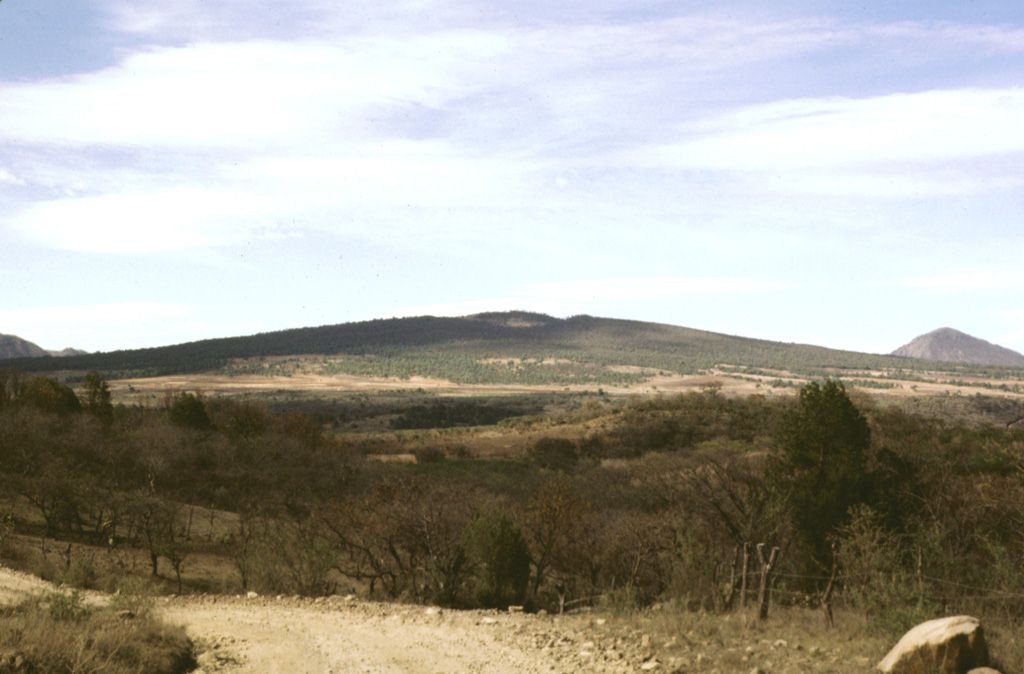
58,634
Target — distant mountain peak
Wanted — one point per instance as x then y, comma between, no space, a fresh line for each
12,346
953,346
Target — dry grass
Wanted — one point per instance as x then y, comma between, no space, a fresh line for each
59,633
792,641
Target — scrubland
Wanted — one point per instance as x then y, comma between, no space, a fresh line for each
619,523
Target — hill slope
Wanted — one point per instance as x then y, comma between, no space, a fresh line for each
953,346
485,346
16,347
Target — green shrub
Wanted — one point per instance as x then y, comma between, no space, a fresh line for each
66,606
878,578
134,594
495,542
81,574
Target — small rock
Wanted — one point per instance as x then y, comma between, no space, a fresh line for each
650,665
515,609
489,621
252,595
781,643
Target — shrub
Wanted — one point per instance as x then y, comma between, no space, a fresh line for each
134,594
429,455
66,606
554,453
878,578
81,574
188,411
495,542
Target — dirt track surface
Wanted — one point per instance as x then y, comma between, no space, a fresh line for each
300,636
344,636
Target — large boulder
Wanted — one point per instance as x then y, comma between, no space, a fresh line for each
950,645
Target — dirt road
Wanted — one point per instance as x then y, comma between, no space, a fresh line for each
300,636
290,635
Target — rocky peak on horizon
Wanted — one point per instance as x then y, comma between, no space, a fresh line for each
12,346
953,346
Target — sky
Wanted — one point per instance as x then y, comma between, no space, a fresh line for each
843,174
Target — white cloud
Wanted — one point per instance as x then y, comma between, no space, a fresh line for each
245,96
146,222
900,145
841,132
10,178
968,280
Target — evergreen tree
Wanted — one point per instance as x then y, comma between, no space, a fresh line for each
188,411
819,469
97,397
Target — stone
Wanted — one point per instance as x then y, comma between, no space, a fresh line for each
953,645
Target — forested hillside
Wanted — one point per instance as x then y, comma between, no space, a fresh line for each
503,347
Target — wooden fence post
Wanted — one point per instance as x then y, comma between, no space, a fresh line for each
743,580
766,569
826,598
733,580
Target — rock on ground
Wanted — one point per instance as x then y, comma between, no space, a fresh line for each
952,645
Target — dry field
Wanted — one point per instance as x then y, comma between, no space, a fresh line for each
140,389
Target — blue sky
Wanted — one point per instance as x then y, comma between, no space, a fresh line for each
842,174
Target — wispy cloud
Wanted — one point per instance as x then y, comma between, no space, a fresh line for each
968,280
899,145
146,222
9,178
